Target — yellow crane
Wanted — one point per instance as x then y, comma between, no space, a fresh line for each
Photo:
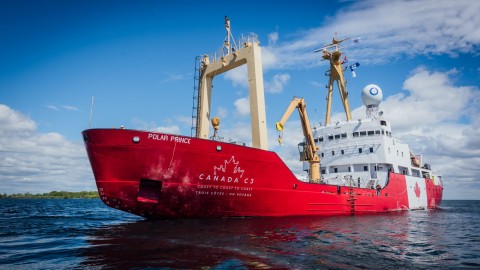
309,152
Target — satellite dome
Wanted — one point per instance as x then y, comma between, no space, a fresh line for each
372,95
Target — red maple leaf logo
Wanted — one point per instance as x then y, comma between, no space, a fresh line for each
417,190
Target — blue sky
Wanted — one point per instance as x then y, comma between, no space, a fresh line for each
137,59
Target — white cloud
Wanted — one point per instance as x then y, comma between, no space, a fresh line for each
39,162
185,121
70,108
432,99
14,123
240,132
276,84
174,129
272,38
238,76
222,112
242,106
170,125
53,107
388,30
62,107
176,77
269,58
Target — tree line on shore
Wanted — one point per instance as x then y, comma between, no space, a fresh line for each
52,195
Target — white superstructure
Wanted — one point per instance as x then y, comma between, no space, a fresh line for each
362,152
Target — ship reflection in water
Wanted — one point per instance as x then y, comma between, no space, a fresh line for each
402,239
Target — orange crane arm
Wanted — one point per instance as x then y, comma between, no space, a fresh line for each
310,147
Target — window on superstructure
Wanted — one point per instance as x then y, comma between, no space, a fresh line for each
365,168
371,133
333,153
337,136
320,139
383,122
322,154
323,171
344,135
377,132
383,132
363,133
330,137
359,150
349,169
355,134
371,149
342,151
335,170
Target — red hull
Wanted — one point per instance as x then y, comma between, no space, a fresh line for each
169,176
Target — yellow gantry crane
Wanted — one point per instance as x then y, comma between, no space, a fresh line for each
309,152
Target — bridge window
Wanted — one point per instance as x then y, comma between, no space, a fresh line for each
371,132
383,122
377,132
363,133
355,134
337,136
330,137
344,135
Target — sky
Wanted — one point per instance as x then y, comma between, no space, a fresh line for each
137,59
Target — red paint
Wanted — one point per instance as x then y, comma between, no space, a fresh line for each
191,177
417,190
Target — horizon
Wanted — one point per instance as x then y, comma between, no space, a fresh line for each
137,61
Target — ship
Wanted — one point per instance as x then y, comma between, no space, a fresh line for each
354,166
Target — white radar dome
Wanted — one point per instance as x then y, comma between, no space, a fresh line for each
372,95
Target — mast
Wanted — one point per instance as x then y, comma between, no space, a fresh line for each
332,53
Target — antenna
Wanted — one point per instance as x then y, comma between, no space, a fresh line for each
91,112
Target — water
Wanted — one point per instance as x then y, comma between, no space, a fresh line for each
85,234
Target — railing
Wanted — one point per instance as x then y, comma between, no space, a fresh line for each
244,41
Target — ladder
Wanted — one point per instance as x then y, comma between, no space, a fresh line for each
196,96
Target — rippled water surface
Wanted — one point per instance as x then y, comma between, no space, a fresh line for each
85,234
